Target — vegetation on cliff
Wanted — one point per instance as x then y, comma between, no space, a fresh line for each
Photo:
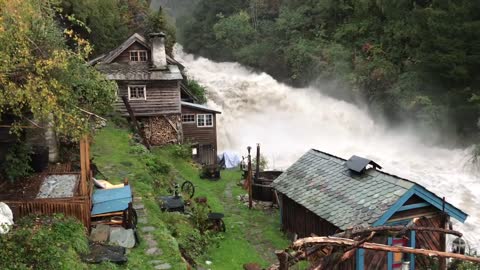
409,59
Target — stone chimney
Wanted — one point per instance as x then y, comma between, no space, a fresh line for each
159,55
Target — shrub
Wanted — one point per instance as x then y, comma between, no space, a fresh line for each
183,151
138,149
48,242
197,90
263,163
156,166
17,162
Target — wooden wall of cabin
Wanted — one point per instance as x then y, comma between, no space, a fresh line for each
163,97
428,240
376,260
199,135
124,57
296,219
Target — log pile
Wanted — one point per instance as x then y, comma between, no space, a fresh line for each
161,130
329,252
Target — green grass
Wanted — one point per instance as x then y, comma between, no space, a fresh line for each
112,150
251,234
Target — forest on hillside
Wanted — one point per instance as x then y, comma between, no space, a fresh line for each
408,59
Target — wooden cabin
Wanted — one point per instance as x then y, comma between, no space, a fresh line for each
199,125
25,196
323,194
150,83
156,90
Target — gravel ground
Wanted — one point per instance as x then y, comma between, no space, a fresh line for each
58,186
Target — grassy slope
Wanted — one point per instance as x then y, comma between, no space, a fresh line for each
249,232
111,150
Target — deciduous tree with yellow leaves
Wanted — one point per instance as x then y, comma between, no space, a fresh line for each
42,78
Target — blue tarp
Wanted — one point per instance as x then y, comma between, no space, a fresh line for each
111,200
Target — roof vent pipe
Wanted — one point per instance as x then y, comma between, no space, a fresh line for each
159,55
359,164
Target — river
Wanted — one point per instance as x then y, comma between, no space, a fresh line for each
288,121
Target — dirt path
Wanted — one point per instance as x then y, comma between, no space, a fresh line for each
253,232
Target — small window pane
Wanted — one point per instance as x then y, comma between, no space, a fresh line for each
188,118
137,92
208,120
201,120
133,56
143,56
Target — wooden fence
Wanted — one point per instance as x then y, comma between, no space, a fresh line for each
79,206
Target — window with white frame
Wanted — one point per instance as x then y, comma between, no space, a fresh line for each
137,92
138,56
204,120
188,118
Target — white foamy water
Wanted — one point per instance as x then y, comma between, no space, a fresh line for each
288,121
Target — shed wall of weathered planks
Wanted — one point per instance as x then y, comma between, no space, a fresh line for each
163,97
204,137
428,240
199,135
297,219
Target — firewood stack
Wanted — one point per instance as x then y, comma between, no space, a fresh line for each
161,130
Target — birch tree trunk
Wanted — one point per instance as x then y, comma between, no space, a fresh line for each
52,143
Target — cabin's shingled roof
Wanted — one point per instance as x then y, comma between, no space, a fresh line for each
134,71
324,185
199,107
138,71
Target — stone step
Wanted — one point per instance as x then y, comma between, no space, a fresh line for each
147,229
163,266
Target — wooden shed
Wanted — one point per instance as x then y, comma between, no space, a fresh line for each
199,124
323,194
26,201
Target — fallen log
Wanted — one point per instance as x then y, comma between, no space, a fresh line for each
336,241
397,228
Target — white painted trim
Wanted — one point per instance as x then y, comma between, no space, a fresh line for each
205,120
190,122
144,92
138,55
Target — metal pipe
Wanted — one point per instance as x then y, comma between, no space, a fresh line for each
257,167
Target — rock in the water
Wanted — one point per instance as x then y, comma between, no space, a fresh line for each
100,233
102,253
6,218
163,266
122,237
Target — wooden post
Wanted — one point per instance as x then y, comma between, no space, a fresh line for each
257,164
135,122
249,178
83,169
443,240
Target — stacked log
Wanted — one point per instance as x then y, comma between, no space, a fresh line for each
162,130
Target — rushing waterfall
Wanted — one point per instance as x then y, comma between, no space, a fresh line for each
288,121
